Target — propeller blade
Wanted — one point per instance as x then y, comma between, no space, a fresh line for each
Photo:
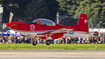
11,16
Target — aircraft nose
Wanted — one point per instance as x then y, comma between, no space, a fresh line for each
13,24
8,24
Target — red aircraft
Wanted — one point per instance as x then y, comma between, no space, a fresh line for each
47,29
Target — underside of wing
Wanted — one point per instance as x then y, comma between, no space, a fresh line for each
54,34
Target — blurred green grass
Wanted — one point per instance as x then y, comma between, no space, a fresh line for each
52,47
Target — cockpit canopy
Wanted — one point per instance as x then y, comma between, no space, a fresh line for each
44,22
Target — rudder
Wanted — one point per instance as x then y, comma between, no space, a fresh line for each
83,22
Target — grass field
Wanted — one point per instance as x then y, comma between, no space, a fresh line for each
52,47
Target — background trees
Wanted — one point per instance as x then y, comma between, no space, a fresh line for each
95,9
69,6
92,9
15,6
28,10
37,9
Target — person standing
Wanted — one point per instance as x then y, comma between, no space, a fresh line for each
81,40
104,39
72,40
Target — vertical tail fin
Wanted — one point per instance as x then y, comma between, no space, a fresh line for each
82,24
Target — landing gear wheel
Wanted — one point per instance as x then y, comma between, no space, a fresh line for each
48,42
34,42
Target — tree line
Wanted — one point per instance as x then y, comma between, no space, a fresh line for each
28,10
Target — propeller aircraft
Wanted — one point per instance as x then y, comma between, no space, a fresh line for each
47,29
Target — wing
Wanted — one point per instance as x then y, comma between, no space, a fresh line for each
54,34
63,30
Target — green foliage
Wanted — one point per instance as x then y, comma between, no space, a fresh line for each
53,7
95,9
16,7
28,10
92,9
69,5
37,9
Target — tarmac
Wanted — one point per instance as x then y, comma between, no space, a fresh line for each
52,54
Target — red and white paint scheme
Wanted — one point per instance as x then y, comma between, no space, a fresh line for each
47,29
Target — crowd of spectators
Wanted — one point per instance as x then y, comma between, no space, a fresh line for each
63,40
81,40
15,39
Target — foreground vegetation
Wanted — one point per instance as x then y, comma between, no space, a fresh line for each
52,47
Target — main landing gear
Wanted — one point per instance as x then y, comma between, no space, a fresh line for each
48,42
34,42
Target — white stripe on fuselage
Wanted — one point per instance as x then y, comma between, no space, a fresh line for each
32,32
63,30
